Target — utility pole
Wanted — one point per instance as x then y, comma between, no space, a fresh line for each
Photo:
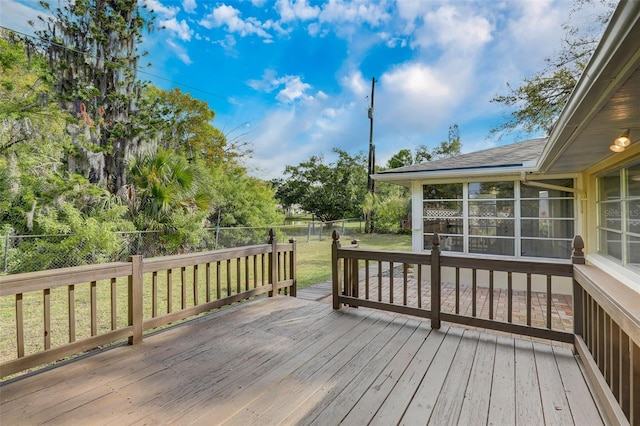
371,184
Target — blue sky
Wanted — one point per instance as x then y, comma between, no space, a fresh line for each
293,78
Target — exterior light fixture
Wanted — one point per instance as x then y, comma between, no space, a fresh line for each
621,142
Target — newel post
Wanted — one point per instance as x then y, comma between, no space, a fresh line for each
335,269
577,258
293,269
435,282
273,263
135,299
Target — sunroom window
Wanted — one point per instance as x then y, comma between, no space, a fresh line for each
501,218
619,215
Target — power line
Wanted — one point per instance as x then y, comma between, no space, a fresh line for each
137,70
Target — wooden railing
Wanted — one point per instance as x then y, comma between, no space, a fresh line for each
607,328
420,291
63,312
605,313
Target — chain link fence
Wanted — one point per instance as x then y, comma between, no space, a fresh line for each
28,253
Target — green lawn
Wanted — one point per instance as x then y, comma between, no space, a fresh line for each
314,257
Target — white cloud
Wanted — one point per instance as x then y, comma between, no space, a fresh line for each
291,10
414,96
457,28
356,83
267,83
181,28
189,6
359,11
229,16
161,10
294,88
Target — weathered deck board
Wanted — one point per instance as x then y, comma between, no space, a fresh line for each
528,403
475,407
290,361
502,406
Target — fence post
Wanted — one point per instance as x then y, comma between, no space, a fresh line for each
273,262
577,258
293,269
135,299
435,282
335,269
308,232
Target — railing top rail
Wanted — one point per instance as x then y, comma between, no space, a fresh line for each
33,281
176,261
384,255
506,265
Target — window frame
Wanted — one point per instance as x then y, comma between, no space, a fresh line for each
622,202
516,217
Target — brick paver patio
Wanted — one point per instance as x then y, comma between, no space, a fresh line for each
561,304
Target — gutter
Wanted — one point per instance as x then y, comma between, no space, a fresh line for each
453,173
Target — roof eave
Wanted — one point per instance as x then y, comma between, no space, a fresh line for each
492,172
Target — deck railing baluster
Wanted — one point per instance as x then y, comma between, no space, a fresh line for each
19,325
71,300
195,285
46,295
366,279
529,299
207,286
228,270
154,297
391,282
474,292
549,299
509,296
404,283
169,290
379,281
183,286
255,271
491,294
239,276
457,289
247,278
94,309
114,303
419,284
218,281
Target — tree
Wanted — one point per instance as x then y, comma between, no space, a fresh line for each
400,159
91,46
27,115
184,124
392,203
330,191
536,102
163,184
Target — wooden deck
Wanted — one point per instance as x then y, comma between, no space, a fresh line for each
284,360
